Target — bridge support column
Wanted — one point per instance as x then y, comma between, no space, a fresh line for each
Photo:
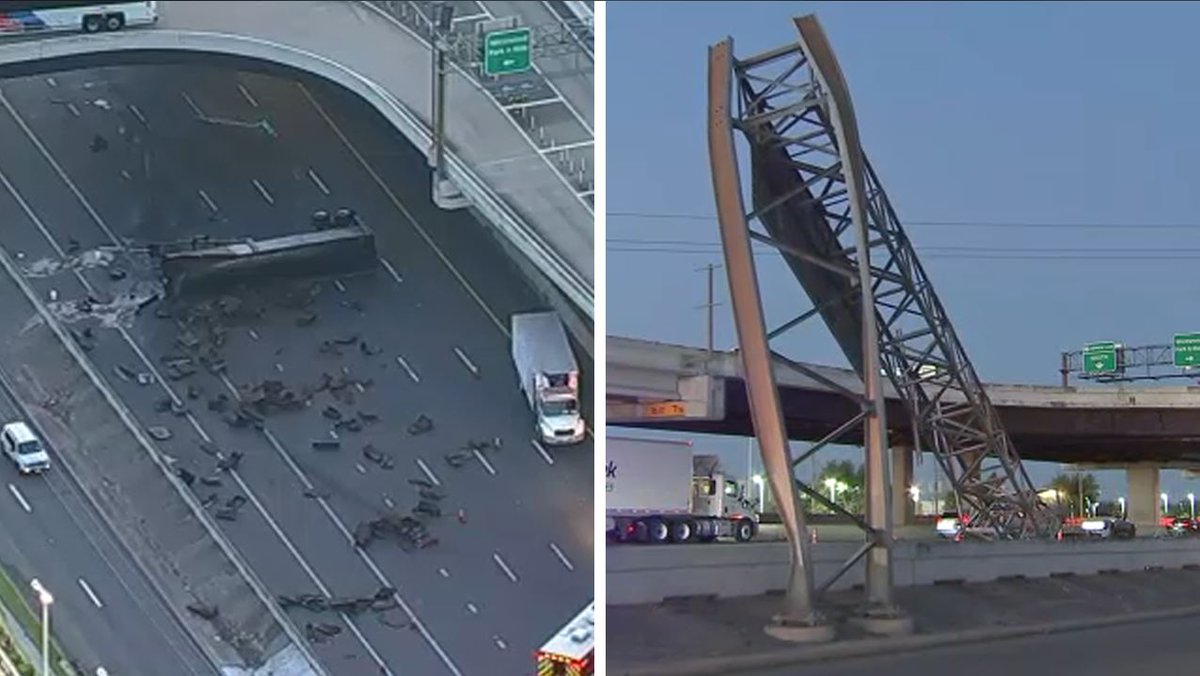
1144,508
904,510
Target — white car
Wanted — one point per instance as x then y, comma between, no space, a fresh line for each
23,447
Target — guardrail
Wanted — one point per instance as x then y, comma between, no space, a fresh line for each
650,573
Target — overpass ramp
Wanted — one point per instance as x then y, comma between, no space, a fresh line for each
496,162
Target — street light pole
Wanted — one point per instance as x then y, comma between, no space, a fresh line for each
45,599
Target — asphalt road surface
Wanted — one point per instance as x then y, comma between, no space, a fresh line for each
105,614
1163,647
186,152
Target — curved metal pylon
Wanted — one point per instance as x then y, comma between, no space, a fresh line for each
822,207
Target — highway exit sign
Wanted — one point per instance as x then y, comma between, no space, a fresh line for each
1187,349
1100,358
506,51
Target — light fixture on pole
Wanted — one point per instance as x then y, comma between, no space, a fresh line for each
45,599
1192,503
1164,501
1121,501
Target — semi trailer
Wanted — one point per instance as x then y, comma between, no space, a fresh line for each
660,491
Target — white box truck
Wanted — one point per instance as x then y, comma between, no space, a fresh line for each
659,491
549,376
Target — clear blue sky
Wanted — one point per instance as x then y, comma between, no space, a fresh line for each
1039,114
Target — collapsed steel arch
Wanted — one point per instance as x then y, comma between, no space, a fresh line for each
822,207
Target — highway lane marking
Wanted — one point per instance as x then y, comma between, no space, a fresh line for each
391,270
91,594
428,472
406,213
12,190
52,82
246,93
552,148
411,373
469,17
530,104
500,642
542,451
389,503
204,435
504,567
263,191
212,206
72,107
443,572
361,470
20,499
126,175
279,367
486,465
340,287
312,174
192,104
253,334
462,356
472,608
137,112
562,557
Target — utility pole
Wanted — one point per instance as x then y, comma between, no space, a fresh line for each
710,269
441,23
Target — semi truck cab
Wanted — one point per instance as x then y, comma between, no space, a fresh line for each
559,421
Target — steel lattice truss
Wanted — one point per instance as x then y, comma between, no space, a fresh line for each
801,199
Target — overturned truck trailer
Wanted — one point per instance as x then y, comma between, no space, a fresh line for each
200,266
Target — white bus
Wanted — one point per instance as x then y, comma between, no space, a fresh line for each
571,652
19,18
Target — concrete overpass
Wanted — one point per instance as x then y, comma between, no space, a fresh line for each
673,387
500,159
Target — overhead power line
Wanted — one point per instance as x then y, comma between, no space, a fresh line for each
956,224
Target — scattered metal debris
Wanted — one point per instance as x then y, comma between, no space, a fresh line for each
204,610
159,432
230,463
421,425
384,460
411,533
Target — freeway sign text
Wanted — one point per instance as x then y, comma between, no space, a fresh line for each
1187,349
1100,358
506,52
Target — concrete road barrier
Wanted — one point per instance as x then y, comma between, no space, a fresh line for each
650,574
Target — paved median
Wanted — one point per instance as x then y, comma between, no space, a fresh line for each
711,636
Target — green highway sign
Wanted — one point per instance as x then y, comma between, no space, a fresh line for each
1187,349
1100,358
507,51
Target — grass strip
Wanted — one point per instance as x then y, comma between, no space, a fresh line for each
18,606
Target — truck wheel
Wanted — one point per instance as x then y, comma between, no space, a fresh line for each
658,530
641,532
683,531
743,530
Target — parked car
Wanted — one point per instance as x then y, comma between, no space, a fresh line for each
1183,525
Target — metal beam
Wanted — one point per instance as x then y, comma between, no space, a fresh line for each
766,409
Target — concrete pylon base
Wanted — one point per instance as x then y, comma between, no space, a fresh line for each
796,631
884,622
447,195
